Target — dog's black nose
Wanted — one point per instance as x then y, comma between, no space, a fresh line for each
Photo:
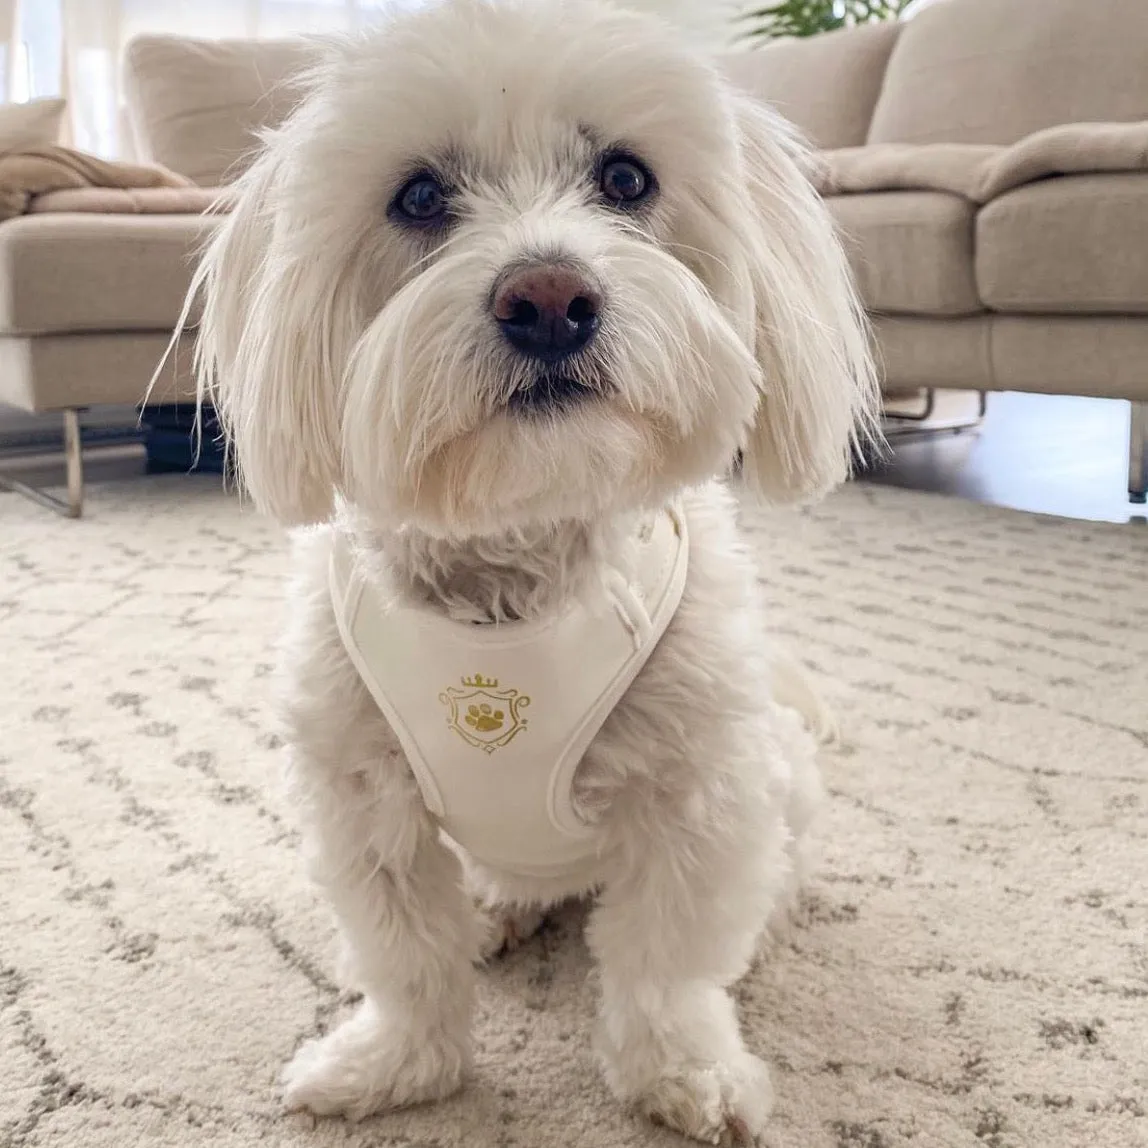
548,311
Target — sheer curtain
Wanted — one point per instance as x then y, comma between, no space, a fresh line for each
708,24
96,31
9,45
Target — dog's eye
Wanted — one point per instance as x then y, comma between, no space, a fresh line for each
421,200
624,181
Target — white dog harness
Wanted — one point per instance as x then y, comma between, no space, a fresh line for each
494,719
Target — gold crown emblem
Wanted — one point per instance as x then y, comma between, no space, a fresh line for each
478,682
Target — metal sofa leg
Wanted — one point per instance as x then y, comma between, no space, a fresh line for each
1138,453
924,415
73,506
903,420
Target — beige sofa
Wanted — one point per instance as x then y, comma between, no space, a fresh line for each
987,162
93,281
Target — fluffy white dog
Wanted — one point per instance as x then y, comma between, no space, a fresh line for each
513,284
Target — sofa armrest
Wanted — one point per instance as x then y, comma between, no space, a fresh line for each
1068,149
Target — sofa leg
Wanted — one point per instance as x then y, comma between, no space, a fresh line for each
904,420
73,505
1138,453
925,414
74,461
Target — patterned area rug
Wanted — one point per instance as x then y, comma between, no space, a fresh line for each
972,969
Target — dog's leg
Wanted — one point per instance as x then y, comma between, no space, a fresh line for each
669,937
506,925
410,933
507,928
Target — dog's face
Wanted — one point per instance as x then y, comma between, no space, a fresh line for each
514,261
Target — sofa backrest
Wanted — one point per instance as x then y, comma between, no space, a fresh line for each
994,71
197,106
827,85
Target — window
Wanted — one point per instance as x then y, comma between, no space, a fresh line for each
36,56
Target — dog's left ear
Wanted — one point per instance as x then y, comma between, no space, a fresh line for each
819,391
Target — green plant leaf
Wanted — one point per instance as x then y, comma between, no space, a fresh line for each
800,18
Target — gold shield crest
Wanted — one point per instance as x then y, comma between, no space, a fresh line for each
484,715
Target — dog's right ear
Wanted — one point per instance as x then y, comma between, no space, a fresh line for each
265,356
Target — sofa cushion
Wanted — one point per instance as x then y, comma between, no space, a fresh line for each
952,352
827,85
1071,244
52,372
911,251
130,200
992,71
33,124
197,106
64,272
1100,355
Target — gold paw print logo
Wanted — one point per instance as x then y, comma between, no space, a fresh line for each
482,714
484,719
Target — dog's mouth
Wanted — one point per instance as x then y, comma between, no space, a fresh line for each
551,393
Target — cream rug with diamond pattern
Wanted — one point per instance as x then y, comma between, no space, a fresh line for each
972,973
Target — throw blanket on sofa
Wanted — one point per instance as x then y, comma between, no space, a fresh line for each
29,172
981,172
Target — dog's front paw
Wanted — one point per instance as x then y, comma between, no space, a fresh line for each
366,1066
717,1103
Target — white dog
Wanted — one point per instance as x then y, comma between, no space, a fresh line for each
513,284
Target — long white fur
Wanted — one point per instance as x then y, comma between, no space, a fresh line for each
364,389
